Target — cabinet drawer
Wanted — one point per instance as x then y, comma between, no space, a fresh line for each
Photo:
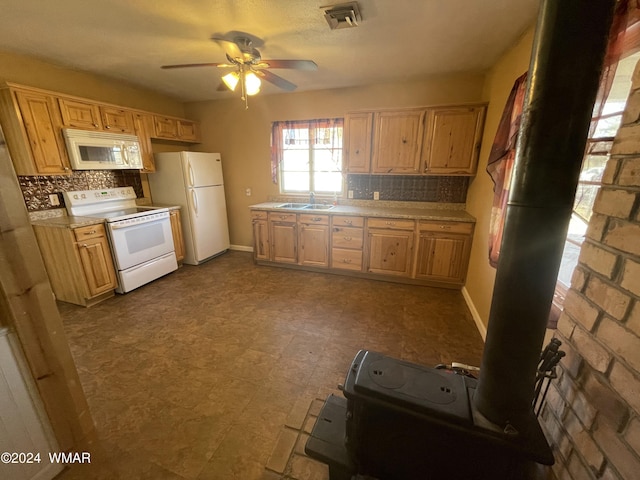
347,237
90,231
314,219
341,220
282,217
258,215
391,223
346,259
449,227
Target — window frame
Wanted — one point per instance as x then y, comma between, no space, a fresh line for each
312,126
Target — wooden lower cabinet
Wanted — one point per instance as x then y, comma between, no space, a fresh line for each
405,250
283,236
260,224
390,246
176,233
313,240
443,251
78,262
347,240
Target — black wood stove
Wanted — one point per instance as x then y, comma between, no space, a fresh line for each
402,421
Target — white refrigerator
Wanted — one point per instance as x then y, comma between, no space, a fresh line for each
194,181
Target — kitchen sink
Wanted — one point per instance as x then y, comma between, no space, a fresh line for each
293,205
319,206
306,206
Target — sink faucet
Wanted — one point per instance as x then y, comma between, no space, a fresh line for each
312,198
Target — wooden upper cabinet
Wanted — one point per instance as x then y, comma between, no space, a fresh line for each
175,129
357,152
143,124
79,114
188,131
397,141
452,140
118,120
35,124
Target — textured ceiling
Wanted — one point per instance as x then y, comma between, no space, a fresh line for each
396,40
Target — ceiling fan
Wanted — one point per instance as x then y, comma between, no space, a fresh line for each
249,67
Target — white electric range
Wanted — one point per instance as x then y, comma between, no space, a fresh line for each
140,237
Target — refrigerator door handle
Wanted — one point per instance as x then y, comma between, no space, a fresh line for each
192,180
194,199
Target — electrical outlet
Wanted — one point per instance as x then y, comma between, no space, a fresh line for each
350,194
53,198
247,192
376,195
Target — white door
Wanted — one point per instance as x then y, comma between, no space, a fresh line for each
202,169
210,231
24,427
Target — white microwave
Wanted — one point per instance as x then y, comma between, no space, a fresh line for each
89,150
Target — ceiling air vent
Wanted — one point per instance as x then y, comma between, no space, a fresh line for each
345,15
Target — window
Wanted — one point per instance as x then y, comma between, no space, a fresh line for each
595,159
307,156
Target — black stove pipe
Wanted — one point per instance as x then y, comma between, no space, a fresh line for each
568,52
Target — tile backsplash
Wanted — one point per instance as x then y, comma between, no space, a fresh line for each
36,189
409,188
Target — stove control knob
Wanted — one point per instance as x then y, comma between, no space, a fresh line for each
83,196
75,196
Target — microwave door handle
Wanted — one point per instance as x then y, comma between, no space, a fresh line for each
125,154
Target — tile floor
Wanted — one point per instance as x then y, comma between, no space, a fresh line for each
195,375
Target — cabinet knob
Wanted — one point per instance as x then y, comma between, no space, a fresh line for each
346,260
348,222
84,245
390,223
445,227
316,219
95,125
348,239
357,152
107,127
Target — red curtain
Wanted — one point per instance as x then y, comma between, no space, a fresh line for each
500,164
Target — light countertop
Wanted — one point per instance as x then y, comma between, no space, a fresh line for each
453,215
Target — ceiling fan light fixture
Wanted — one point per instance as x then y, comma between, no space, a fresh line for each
231,80
252,83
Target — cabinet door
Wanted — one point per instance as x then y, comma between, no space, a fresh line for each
314,245
443,257
143,125
357,135
187,131
390,252
43,127
398,142
117,120
284,242
97,265
78,114
165,127
260,240
176,233
452,140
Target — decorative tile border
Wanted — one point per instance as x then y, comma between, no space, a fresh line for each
36,189
411,188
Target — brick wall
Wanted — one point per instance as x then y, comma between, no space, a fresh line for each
592,415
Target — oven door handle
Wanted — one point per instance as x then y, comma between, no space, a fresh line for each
118,225
194,200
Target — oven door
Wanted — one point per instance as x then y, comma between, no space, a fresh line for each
140,239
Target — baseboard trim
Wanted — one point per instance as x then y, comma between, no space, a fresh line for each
474,313
241,248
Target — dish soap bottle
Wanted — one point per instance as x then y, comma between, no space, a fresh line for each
335,198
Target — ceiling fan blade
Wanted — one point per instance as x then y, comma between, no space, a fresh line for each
295,64
276,80
185,65
230,47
